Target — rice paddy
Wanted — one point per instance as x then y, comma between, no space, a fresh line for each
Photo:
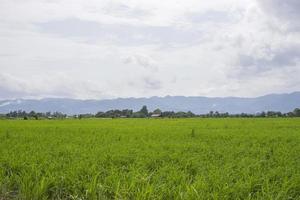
150,159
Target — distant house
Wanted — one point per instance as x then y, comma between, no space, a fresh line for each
155,115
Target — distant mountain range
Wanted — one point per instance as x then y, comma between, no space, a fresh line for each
198,105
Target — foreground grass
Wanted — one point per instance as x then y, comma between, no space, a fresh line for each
150,159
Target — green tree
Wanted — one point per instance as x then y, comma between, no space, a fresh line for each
297,112
144,111
157,111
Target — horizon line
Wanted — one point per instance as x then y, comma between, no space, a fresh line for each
116,98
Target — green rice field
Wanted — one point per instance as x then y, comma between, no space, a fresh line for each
150,159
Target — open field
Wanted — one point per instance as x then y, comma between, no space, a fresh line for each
150,159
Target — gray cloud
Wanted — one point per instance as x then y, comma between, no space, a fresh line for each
123,10
99,49
12,87
142,60
212,16
287,11
152,83
283,57
121,34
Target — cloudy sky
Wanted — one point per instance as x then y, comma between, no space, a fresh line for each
140,48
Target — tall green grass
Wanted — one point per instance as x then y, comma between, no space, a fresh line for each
150,159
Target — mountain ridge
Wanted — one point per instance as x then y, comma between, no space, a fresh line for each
198,104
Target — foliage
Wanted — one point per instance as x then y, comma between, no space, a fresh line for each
35,115
143,113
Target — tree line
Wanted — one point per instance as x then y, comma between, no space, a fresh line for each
144,113
33,115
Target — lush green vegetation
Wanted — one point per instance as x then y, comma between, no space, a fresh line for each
143,113
150,159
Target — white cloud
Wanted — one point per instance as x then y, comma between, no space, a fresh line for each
100,49
141,60
55,85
